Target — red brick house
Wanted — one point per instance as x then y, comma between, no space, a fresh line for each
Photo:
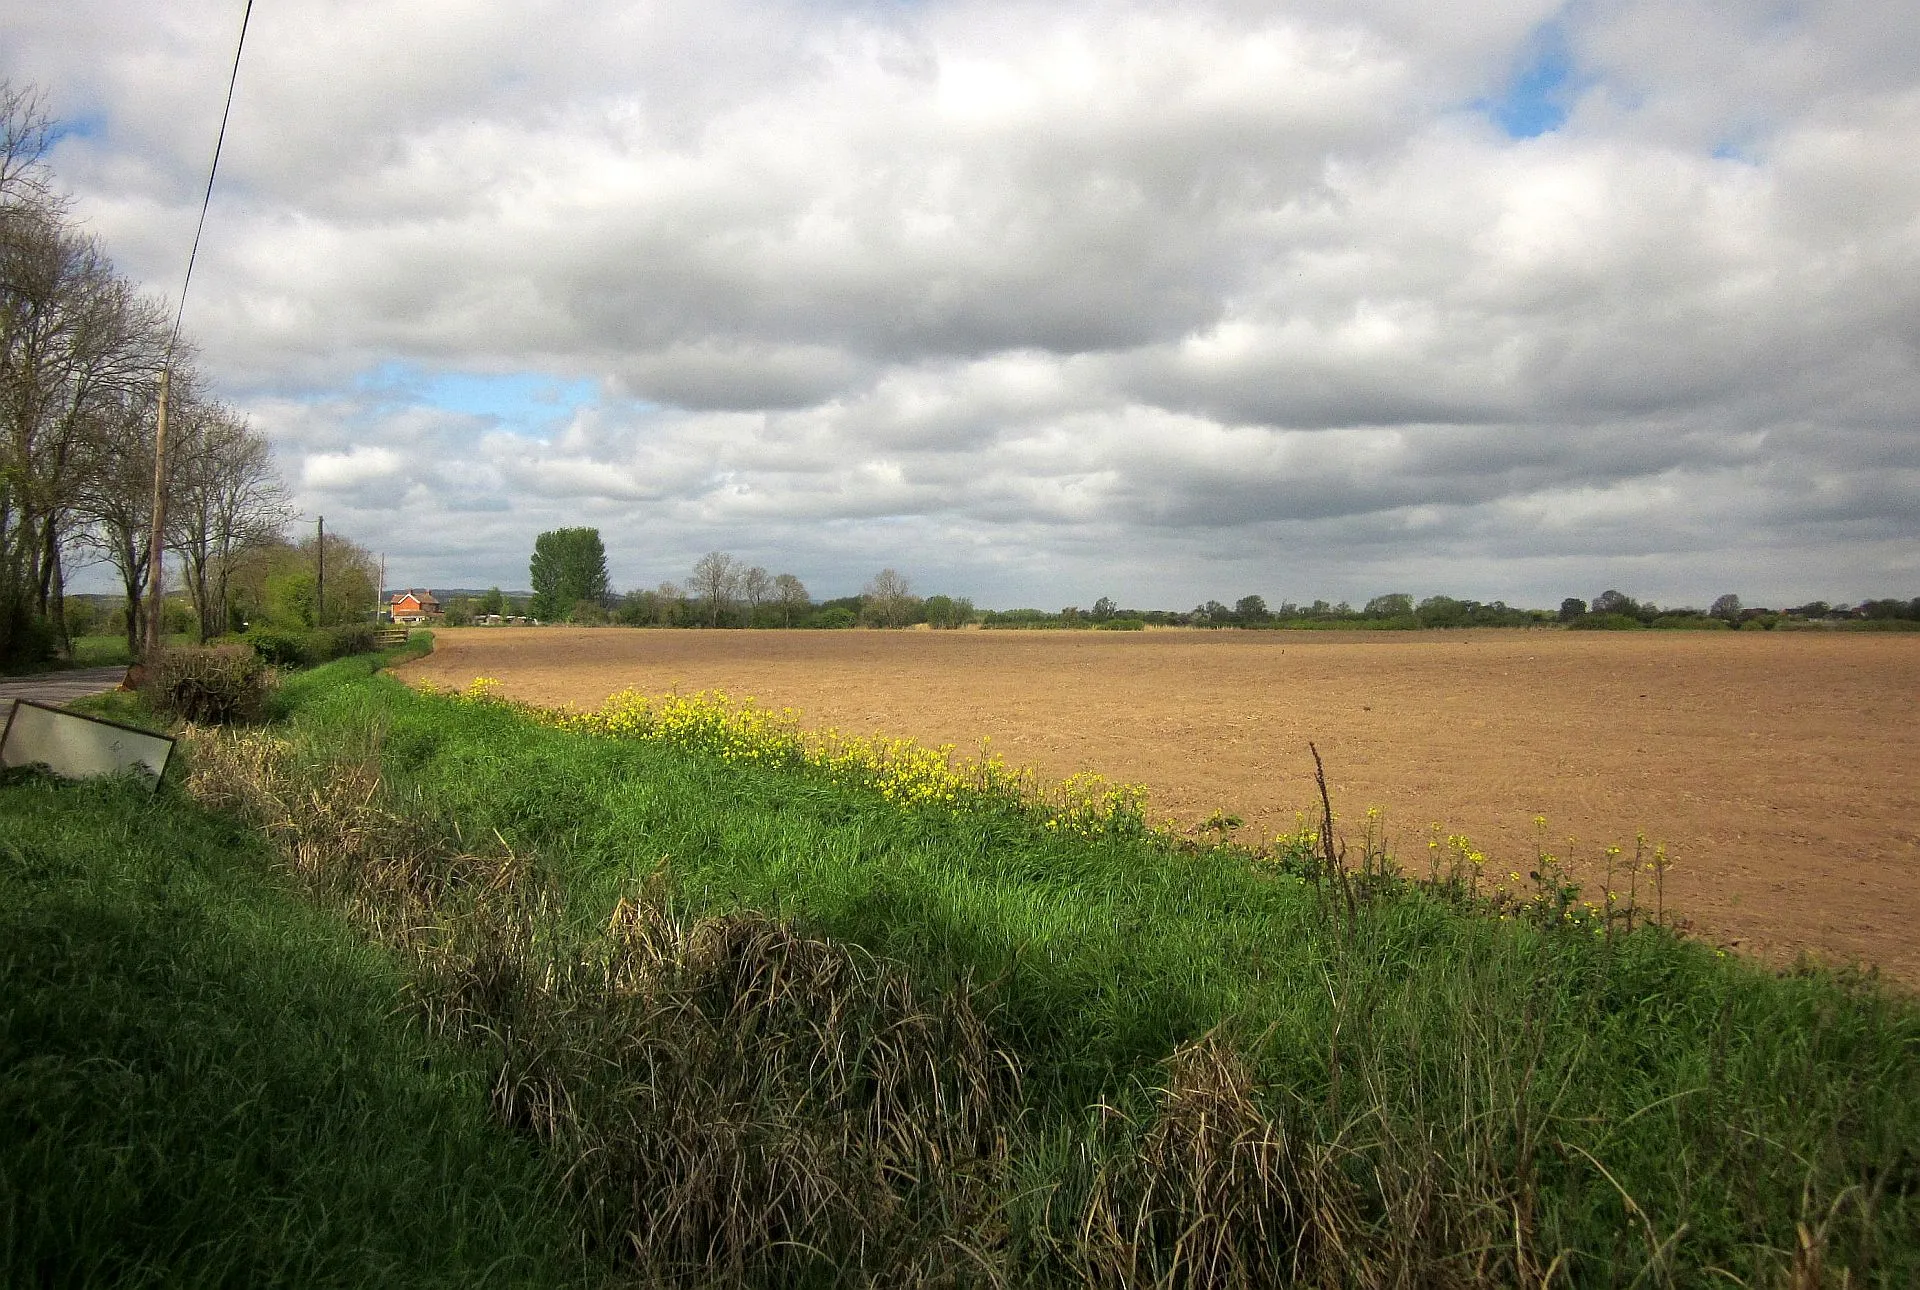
411,606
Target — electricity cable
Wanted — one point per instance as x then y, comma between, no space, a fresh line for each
206,198
156,542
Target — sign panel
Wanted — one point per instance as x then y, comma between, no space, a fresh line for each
79,747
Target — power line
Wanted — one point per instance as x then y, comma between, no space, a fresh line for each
206,199
156,548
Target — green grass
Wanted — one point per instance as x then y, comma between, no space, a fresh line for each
108,651
1225,1072
205,1081
1647,1106
94,651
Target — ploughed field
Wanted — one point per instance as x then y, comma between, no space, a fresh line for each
1781,770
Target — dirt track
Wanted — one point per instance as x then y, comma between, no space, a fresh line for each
1782,770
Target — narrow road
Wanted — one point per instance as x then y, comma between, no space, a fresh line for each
57,687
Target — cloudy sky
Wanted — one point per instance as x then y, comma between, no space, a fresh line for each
1039,302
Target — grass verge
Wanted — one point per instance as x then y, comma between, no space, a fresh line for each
90,651
1220,1069
203,1081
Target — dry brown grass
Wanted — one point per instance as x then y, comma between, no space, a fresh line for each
1215,1192
1227,1183
733,1102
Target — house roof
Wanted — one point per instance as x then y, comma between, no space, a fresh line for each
422,598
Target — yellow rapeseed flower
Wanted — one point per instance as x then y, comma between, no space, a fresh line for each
902,771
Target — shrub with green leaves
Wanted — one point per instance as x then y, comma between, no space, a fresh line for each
282,646
356,638
1606,623
311,646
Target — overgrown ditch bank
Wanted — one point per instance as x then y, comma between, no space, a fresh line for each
757,1015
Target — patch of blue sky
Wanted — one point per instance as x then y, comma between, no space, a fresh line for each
1540,88
89,125
529,403
1742,147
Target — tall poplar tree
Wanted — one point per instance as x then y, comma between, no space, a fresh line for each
568,566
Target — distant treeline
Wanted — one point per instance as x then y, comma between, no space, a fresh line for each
570,583
1395,612
1616,611
1610,611
654,608
271,582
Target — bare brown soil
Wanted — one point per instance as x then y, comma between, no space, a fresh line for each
1781,770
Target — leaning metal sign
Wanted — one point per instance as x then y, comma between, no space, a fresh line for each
79,747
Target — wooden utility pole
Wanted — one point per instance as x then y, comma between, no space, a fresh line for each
156,551
320,574
156,537
156,555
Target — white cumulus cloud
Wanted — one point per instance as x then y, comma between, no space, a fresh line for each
1044,302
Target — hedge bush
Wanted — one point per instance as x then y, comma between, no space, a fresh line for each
283,647
310,646
1690,623
354,639
1605,623
215,684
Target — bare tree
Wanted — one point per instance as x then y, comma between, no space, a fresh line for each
106,345
26,131
80,358
29,227
77,349
667,599
715,582
230,500
887,601
117,503
54,286
756,588
791,595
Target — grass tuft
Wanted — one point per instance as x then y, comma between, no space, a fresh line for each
732,1101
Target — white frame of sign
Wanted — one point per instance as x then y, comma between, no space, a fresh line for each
76,746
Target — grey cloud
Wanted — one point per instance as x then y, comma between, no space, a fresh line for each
708,374
1063,299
